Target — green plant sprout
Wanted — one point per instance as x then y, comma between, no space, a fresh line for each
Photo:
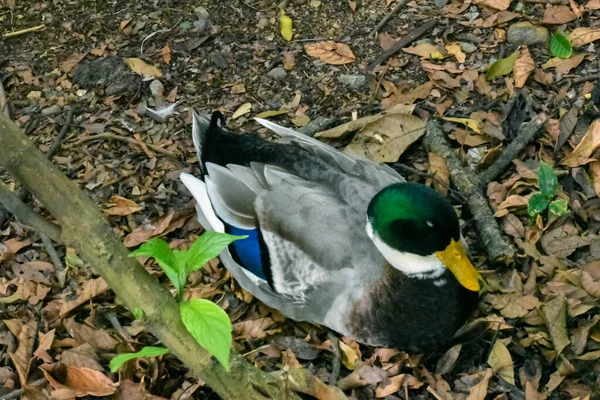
538,202
206,321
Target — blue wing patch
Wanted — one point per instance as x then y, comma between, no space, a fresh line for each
248,251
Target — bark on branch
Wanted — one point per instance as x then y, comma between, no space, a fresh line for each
470,186
86,229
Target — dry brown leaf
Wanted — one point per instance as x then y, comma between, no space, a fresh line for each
81,356
165,52
253,328
439,168
558,15
588,145
455,50
590,285
21,358
330,52
446,362
582,36
524,66
302,380
514,306
70,63
122,206
501,362
386,41
143,69
80,381
420,92
595,172
96,338
555,316
14,245
423,50
349,356
495,4
363,375
130,390
578,11
29,272
387,138
593,5
395,383
499,18
564,65
91,289
144,232
288,60
45,343
479,391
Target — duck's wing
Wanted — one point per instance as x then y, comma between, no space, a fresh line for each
379,174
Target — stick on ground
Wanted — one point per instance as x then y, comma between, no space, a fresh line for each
490,235
389,15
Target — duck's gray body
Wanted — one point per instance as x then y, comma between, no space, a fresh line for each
309,204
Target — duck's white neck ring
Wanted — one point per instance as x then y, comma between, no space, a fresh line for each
412,265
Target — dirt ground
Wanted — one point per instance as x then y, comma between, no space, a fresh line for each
535,334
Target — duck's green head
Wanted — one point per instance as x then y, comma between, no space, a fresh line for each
417,231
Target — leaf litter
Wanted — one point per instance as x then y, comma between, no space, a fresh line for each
535,332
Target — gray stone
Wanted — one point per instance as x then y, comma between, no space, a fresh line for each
278,74
440,3
468,47
52,110
202,25
526,33
201,12
353,81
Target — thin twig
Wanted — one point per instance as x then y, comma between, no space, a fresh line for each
15,394
125,139
585,78
61,135
15,206
434,393
3,100
114,321
405,41
58,265
337,358
389,16
526,134
23,31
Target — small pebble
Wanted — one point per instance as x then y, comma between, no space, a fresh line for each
353,81
467,47
440,3
52,110
201,12
278,74
202,25
526,33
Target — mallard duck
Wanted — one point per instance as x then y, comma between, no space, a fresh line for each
334,239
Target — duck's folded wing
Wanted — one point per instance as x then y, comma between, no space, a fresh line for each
311,235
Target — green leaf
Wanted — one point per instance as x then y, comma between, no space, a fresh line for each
560,46
503,66
547,180
537,203
148,351
164,256
210,326
559,207
138,313
207,246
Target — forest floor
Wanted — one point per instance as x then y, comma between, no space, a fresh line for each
128,137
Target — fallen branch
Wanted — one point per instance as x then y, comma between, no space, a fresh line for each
24,31
527,133
85,228
14,205
405,41
389,16
101,136
490,235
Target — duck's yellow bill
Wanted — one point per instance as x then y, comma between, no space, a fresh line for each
456,260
